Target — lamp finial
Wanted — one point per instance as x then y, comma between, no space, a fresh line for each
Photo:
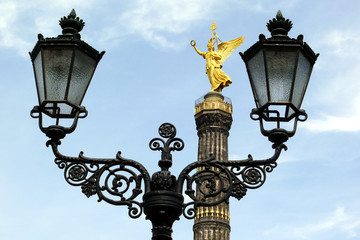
279,26
71,24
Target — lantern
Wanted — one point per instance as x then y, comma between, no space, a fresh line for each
279,70
63,68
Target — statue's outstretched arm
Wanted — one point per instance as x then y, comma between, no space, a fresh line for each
193,43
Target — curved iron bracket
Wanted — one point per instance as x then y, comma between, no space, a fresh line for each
115,180
119,181
216,181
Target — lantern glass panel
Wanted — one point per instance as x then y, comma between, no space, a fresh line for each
38,69
83,69
58,108
57,63
256,70
301,80
281,63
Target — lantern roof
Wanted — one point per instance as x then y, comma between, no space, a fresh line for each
279,28
71,26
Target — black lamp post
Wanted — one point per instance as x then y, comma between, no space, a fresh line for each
279,69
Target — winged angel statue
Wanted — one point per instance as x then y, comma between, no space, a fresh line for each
214,59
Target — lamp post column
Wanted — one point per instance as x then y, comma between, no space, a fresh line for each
213,118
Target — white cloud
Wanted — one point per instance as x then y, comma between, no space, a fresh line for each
156,20
335,123
8,21
339,94
264,6
159,22
19,20
286,159
340,222
342,42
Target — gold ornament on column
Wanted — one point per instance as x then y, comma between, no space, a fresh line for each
214,59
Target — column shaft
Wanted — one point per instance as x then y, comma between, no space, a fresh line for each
213,121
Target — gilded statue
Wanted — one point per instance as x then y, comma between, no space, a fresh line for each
214,59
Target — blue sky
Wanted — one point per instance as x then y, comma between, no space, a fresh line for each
149,75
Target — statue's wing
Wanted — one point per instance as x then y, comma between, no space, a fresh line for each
226,48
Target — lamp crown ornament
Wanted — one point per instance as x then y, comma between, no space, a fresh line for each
71,24
279,26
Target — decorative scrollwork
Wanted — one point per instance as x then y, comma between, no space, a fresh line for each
270,167
215,181
163,180
253,172
135,210
177,144
77,172
218,118
189,211
155,144
117,181
238,190
209,182
167,130
212,181
114,180
253,177
89,187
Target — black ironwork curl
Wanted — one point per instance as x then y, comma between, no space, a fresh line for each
77,172
189,211
212,180
167,130
222,179
120,181
117,184
270,167
177,145
253,172
117,181
253,177
135,210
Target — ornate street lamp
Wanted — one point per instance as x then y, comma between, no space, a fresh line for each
279,69
63,68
